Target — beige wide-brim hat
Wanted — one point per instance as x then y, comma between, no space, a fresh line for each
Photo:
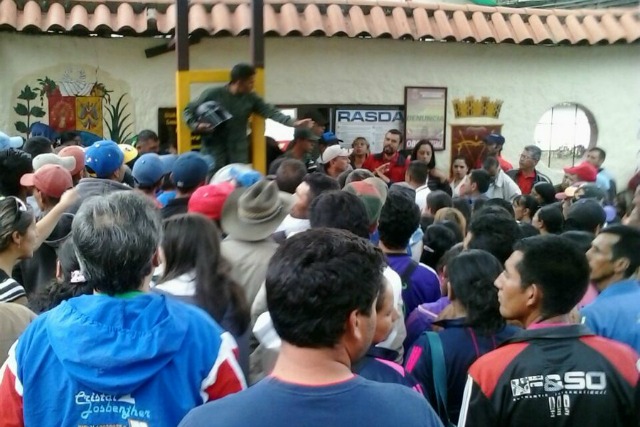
254,213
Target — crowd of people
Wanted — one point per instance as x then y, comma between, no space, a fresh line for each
343,288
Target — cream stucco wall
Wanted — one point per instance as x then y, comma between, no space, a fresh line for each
529,79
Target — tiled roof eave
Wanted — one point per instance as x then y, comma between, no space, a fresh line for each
400,20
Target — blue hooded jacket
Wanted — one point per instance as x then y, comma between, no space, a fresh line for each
100,360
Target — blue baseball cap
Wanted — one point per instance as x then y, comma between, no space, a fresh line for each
493,138
104,158
329,138
189,170
7,141
148,170
168,160
244,177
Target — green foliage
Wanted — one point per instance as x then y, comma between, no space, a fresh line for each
25,109
21,127
21,109
119,129
37,112
47,87
27,94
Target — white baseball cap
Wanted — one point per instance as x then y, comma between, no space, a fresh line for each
69,163
332,152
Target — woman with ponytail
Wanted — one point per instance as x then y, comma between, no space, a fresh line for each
473,327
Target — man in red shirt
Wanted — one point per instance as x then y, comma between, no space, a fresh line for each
527,176
390,166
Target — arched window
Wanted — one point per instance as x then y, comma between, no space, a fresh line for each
564,133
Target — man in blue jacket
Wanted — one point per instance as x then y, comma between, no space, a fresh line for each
614,259
121,356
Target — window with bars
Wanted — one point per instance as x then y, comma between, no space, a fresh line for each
564,133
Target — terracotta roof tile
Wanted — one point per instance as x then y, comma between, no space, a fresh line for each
558,30
398,19
614,32
540,33
463,29
503,32
313,25
577,33
482,27
629,23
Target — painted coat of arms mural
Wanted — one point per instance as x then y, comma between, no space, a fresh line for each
73,102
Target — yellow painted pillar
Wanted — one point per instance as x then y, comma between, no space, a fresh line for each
258,141
183,94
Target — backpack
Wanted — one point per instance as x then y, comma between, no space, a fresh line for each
439,377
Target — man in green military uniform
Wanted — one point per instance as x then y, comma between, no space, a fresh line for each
301,148
227,142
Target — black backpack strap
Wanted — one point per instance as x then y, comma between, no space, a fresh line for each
405,277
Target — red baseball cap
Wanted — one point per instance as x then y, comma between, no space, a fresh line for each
77,153
51,180
584,171
208,200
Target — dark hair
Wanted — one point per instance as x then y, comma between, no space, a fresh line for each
341,210
418,171
454,226
191,243
437,240
414,153
481,178
462,204
489,162
437,200
547,191
319,183
37,145
290,174
242,72
494,232
527,202
627,246
601,153
455,250
395,132
13,164
13,219
399,219
68,136
471,275
58,291
316,279
147,134
581,239
558,267
527,230
462,157
273,166
552,218
501,203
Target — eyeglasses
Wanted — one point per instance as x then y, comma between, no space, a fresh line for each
525,157
19,205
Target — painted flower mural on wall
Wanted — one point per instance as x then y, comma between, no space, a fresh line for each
74,103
